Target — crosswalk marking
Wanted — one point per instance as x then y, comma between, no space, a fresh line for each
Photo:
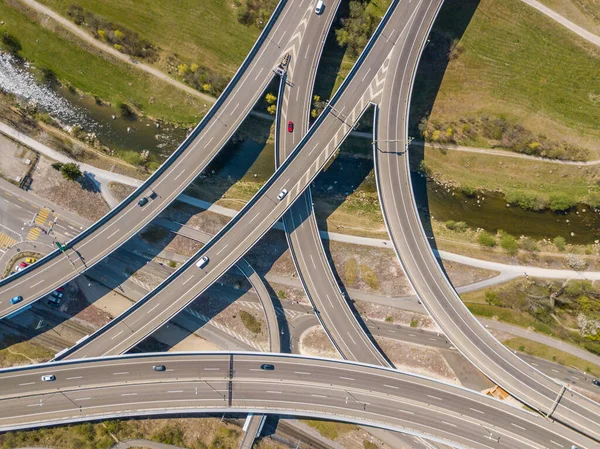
33,234
42,215
6,240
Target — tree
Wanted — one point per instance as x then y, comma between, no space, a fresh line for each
71,171
270,98
486,239
509,243
272,109
560,242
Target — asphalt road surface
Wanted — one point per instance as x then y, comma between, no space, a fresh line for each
216,129
497,362
196,383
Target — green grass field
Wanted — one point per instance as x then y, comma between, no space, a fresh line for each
111,81
515,63
585,13
485,172
202,31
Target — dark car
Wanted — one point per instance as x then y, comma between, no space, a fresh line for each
159,368
142,202
267,367
596,382
290,126
16,299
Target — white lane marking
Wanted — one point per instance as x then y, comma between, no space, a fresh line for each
555,370
129,394
26,383
188,280
76,377
149,311
274,392
35,405
575,377
112,234
558,444
209,141
82,399
234,109
255,217
212,369
478,411
117,335
449,424
301,372
36,284
517,426
175,391
412,335
350,335
318,396
391,386
306,54
366,74
222,249
261,70
180,173
434,397
122,372
346,378
313,261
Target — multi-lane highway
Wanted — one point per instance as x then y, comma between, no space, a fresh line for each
300,223
283,33
299,386
497,362
258,216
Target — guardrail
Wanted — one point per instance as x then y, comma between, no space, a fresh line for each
166,164
192,260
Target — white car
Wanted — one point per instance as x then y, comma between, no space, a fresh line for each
282,194
202,262
319,8
48,377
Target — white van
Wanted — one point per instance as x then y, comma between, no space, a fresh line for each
202,262
320,7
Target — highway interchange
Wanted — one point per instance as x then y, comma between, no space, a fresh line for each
384,73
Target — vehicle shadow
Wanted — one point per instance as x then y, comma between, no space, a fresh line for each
450,25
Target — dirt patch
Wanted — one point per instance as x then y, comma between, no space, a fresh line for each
82,197
460,274
13,162
289,294
120,191
397,316
202,220
417,359
314,342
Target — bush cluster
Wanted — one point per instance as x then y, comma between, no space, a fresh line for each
357,28
254,12
124,40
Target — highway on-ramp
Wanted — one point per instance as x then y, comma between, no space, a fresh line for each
295,386
496,361
282,35
258,216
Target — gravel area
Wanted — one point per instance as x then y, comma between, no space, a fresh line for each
120,191
82,197
417,359
397,316
314,342
14,155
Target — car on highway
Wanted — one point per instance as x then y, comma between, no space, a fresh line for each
16,299
267,367
290,126
202,262
282,194
142,202
596,382
30,260
320,7
48,377
159,368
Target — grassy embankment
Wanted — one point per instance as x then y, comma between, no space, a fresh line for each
515,79
198,433
567,311
531,184
93,73
206,33
584,13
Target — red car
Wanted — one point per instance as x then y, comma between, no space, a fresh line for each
290,126
23,264
60,289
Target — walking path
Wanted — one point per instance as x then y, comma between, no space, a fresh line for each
590,37
88,38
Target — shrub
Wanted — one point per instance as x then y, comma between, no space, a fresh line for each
528,244
270,98
414,323
527,200
593,199
492,298
281,294
560,242
560,202
389,319
125,110
71,171
357,28
369,445
509,243
351,272
486,239
370,277
11,43
57,166
250,322
458,226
